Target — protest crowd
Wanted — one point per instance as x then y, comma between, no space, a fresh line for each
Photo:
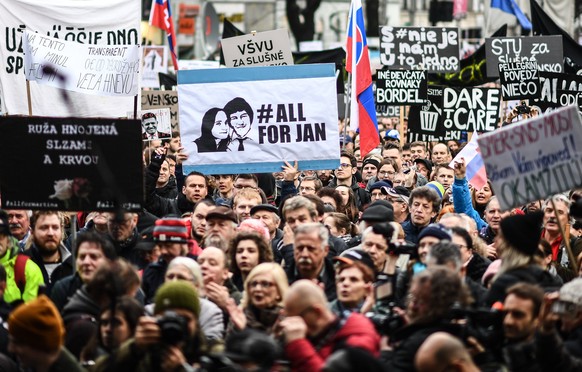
406,256
392,263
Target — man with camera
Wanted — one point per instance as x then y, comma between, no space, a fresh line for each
170,341
565,306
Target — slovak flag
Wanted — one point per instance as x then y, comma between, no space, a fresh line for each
476,175
362,108
161,17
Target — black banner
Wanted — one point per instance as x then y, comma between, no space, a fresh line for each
519,80
551,84
401,87
471,109
425,122
388,111
545,50
71,164
434,49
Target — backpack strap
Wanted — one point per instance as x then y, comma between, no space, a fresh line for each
19,274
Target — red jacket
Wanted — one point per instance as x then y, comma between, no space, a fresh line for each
357,331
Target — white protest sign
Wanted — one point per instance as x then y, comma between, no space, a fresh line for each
110,22
153,99
251,120
534,159
155,60
91,69
194,64
269,48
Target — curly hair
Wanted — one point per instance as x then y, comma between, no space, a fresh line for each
445,289
265,251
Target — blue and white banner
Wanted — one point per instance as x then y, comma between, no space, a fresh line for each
252,120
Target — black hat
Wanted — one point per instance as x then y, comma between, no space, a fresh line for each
4,225
523,231
222,213
372,161
378,213
264,207
385,229
147,242
426,163
351,255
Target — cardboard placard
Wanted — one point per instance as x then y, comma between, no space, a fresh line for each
80,161
434,49
155,60
269,48
155,99
534,159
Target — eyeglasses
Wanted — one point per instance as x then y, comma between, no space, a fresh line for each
344,166
386,173
301,188
263,283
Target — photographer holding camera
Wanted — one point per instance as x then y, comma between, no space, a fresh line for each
171,341
565,306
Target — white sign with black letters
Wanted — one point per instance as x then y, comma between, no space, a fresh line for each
269,48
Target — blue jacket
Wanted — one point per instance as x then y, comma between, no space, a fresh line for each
463,203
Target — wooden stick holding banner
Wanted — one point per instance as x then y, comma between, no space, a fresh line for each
135,106
29,100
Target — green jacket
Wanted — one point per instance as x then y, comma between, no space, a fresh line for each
32,274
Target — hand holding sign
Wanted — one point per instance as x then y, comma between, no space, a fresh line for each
290,171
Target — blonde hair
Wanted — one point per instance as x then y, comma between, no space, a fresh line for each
278,275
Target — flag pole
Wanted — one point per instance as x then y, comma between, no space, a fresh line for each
346,111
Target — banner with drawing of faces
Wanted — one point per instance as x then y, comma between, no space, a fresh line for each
252,120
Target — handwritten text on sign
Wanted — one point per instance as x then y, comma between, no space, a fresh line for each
534,159
401,87
519,80
547,51
471,109
434,49
92,69
269,48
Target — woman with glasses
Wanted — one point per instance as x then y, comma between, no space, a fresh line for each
262,302
387,170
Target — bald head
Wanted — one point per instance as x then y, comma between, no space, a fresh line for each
442,351
305,293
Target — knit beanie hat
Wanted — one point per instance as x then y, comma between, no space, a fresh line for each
436,230
171,229
177,295
436,186
523,232
38,324
572,292
372,161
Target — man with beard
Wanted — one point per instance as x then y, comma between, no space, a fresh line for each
19,221
521,307
221,226
310,248
325,176
47,249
